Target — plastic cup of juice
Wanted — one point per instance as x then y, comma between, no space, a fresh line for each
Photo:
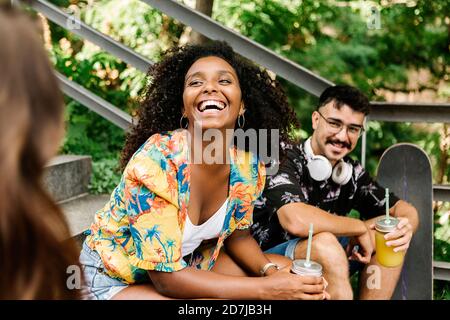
386,255
301,267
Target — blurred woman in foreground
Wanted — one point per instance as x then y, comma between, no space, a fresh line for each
34,251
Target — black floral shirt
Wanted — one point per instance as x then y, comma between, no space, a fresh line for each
292,183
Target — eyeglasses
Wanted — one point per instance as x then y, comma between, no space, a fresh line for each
335,126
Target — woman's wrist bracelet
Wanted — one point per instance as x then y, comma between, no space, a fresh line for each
267,266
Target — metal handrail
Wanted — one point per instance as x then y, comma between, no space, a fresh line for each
441,270
83,30
441,192
410,112
100,106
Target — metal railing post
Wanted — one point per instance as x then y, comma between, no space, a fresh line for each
364,145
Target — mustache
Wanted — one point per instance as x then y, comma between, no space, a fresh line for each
338,142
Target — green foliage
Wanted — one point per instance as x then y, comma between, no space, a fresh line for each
355,283
442,234
441,249
86,131
354,214
441,290
106,176
138,26
335,42
135,24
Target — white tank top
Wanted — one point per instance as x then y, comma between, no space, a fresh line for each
194,235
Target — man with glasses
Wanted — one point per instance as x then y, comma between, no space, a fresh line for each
319,183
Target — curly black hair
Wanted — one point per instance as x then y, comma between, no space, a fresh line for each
265,101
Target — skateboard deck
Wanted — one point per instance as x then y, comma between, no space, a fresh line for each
406,170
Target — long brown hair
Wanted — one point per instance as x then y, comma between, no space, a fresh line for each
34,251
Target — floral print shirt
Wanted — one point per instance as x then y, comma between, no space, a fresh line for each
141,227
292,183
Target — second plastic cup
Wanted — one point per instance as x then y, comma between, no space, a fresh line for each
300,267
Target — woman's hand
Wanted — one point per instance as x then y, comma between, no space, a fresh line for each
283,285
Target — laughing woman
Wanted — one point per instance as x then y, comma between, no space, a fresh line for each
180,228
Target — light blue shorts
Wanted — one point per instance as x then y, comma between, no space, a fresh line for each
98,285
287,249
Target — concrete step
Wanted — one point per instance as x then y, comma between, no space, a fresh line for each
80,212
68,176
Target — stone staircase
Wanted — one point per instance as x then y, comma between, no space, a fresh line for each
67,178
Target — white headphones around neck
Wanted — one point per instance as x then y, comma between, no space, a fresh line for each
320,168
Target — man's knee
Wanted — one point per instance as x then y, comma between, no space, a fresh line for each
327,249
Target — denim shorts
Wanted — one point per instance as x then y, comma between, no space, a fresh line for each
98,285
287,249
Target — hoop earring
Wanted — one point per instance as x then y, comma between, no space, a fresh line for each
181,122
241,116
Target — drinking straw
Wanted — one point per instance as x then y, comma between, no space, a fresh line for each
308,251
387,206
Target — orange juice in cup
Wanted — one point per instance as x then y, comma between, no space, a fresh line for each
386,256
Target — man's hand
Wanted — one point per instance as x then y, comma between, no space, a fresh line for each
402,234
364,242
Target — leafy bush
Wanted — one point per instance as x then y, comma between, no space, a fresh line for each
441,290
105,176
